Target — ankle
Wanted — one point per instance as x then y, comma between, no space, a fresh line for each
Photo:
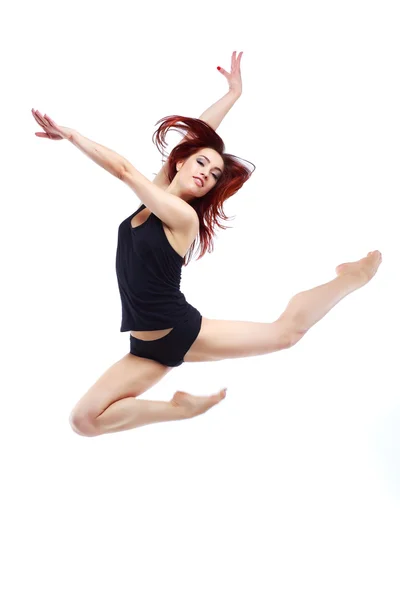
179,412
353,280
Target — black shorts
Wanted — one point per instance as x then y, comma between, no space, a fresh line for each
171,349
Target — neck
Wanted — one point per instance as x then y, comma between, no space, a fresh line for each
175,188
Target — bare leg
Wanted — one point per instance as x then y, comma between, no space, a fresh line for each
130,413
307,308
113,402
303,311
223,339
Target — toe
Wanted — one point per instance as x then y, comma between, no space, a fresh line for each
375,253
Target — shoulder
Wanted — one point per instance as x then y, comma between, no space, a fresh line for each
195,218
162,182
194,228
182,239
191,226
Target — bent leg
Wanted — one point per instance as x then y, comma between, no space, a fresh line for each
111,404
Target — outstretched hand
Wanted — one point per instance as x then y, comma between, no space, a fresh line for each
52,130
234,77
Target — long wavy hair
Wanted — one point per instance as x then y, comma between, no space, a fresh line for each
198,134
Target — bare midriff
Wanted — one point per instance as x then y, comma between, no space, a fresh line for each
149,336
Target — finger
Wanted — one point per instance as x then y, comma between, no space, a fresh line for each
47,120
51,122
42,120
221,70
46,125
39,118
237,63
39,122
53,126
49,136
35,115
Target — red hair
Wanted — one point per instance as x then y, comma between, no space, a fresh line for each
198,134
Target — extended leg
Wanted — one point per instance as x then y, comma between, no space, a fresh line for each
112,404
221,339
307,308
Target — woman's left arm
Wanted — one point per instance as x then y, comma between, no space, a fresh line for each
215,114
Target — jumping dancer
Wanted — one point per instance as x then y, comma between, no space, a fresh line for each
180,206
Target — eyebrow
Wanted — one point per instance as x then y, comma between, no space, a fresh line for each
206,157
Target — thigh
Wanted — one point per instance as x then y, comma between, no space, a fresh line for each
130,376
220,339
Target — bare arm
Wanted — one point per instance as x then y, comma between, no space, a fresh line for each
116,164
108,159
213,116
173,211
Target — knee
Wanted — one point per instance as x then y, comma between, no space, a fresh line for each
290,334
294,336
82,425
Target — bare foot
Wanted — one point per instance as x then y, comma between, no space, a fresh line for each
363,269
196,405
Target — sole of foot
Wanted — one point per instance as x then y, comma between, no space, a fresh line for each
192,406
363,269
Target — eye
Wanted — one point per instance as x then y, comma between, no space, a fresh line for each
202,164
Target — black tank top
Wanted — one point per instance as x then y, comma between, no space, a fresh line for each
149,276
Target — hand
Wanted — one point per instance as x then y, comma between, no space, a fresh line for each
52,130
234,77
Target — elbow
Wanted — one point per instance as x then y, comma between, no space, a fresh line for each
129,175
121,172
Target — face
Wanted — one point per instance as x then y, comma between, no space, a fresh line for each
205,165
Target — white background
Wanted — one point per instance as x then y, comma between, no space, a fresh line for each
290,487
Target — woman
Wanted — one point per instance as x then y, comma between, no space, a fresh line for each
180,205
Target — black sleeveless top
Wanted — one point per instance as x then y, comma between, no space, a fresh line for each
149,276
